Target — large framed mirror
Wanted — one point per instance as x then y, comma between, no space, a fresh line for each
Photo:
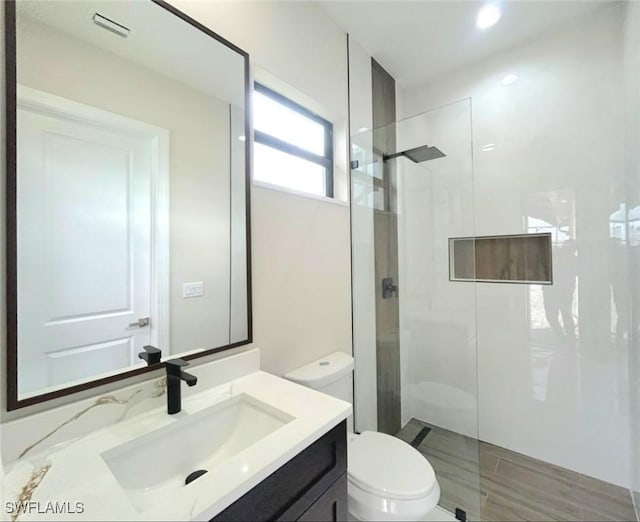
128,159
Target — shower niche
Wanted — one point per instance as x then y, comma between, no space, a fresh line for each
522,258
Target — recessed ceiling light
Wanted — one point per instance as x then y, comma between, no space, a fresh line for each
564,201
509,79
487,16
363,129
489,147
242,138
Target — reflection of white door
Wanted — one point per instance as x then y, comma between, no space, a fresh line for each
87,193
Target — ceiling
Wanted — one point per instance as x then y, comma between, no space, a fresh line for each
417,41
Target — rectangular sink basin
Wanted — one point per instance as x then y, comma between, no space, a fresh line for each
155,465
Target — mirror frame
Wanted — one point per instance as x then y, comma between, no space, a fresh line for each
13,402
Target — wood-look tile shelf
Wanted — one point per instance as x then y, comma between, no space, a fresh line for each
524,258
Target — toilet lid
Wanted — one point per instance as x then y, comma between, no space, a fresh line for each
384,465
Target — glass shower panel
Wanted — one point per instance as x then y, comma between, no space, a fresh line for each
555,361
429,199
365,197
438,316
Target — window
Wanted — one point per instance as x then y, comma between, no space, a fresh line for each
293,146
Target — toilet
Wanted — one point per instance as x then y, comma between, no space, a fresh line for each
387,478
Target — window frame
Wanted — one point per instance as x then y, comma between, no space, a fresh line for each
325,160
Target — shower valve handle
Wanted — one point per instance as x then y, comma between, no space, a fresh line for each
389,289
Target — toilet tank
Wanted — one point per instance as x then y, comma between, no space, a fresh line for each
332,374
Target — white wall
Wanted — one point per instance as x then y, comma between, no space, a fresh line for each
300,245
559,135
239,327
301,279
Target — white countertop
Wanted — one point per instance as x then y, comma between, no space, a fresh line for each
76,472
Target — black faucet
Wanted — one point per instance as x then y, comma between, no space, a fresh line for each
151,355
175,374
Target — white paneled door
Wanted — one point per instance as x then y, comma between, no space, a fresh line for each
85,239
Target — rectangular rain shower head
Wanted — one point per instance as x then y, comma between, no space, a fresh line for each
418,154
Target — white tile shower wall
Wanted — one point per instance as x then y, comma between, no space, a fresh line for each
631,39
548,156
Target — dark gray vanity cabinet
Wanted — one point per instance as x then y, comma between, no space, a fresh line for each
332,505
312,486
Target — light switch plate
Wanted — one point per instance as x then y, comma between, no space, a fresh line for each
195,289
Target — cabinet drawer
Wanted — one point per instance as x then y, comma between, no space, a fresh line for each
331,506
288,492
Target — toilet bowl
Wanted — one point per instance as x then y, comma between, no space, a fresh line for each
387,478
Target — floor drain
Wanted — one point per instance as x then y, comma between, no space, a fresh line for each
419,438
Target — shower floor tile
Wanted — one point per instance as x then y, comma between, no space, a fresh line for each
493,483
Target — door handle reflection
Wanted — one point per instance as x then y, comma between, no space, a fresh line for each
141,323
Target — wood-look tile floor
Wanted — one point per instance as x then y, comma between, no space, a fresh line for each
496,484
